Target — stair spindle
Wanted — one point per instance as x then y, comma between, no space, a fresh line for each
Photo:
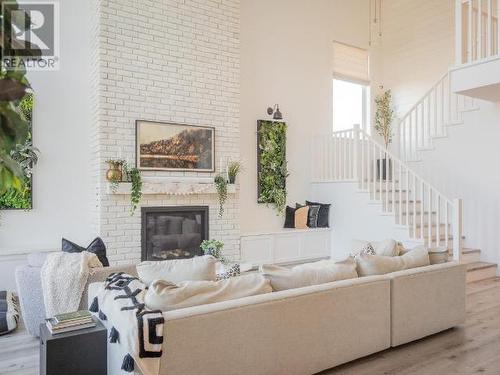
422,210
438,225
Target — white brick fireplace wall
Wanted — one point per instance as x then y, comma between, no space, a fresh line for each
169,60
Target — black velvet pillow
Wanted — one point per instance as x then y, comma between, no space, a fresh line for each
97,247
324,214
312,215
289,217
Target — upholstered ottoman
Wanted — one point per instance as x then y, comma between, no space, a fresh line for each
9,314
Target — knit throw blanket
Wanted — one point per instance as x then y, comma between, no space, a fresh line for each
119,304
64,276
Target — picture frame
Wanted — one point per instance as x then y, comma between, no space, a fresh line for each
174,147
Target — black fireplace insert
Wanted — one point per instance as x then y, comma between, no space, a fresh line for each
173,232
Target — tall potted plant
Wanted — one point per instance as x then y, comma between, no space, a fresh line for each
384,116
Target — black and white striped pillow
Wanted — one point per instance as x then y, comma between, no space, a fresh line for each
9,313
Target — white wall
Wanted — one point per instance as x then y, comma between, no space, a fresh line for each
286,48
61,132
62,193
416,48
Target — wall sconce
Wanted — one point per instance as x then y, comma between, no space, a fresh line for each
275,112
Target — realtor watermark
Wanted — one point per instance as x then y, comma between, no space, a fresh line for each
30,35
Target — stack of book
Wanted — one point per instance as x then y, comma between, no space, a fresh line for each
70,322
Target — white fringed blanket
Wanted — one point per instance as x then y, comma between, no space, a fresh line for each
139,331
64,276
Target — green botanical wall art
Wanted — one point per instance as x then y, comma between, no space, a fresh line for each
26,155
271,164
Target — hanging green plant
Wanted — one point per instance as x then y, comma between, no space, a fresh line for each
26,155
136,193
221,186
272,164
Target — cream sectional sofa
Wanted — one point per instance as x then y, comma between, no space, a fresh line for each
308,330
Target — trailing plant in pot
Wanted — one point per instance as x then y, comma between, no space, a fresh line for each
221,186
214,248
233,169
127,174
384,116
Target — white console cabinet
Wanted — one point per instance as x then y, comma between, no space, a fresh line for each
286,246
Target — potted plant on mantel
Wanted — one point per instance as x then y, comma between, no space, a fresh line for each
384,117
233,169
119,172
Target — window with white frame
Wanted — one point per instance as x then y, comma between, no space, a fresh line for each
351,87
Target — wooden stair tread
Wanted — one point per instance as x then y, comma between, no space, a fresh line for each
426,225
418,213
466,251
396,191
409,201
470,251
479,266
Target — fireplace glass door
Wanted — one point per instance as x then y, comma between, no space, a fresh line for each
173,232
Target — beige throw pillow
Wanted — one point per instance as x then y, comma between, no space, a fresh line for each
368,265
165,296
321,272
197,268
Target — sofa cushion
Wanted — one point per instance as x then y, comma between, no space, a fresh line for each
165,295
96,247
197,268
368,265
324,271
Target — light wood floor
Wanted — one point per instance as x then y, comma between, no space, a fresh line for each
473,348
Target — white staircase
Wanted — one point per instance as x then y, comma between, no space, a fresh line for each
417,206
428,215
352,155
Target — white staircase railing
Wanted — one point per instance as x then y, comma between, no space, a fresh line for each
352,155
429,118
477,34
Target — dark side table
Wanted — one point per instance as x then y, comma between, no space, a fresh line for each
82,352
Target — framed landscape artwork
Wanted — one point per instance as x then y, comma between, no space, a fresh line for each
22,200
164,146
